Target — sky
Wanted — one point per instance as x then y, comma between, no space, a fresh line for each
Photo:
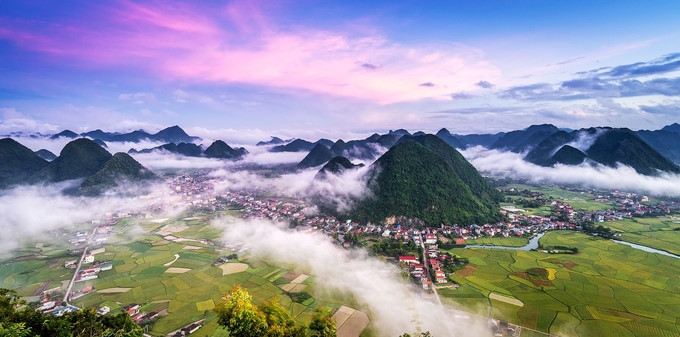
336,67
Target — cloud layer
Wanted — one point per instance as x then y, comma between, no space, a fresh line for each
29,212
393,305
620,178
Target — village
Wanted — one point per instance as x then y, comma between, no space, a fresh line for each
428,267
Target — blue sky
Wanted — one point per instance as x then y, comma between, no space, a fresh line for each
343,66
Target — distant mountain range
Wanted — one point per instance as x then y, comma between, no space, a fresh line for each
173,134
218,149
648,152
80,159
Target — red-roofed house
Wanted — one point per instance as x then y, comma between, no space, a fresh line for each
408,259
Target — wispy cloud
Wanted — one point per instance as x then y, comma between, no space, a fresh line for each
240,44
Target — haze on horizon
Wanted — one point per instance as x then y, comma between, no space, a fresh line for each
224,67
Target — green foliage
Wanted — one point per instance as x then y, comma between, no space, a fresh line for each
26,321
322,324
242,318
393,247
434,183
280,322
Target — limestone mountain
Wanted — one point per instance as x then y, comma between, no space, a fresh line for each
521,140
426,182
17,162
65,134
80,158
273,141
336,165
319,155
625,147
46,154
220,149
450,139
184,149
121,168
567,155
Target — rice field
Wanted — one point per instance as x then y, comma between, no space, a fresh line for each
607,289
163,276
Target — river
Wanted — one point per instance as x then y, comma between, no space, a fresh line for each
647,249
533,244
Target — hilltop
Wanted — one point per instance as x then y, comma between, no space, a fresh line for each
336,165
17,162
425,182
319,155
120,168
80,158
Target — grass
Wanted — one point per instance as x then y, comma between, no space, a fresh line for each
606,290
512,241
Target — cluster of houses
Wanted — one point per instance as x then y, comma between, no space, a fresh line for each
195,190
91,272
137,316
431,269
268,208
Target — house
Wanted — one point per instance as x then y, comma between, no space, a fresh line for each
47,306
89,258
430,239
139,317
132,309
71,264
408,259
103,310
192,328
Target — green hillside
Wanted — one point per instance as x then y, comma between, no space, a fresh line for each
78,159
415,181
17,162
120,168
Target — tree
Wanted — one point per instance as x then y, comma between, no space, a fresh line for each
240,316
322,324
26,321
14,330
280,322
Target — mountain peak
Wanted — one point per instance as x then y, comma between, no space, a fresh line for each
17,162
220,149
319,155
336,165
65,134
120,168
80,158
426,182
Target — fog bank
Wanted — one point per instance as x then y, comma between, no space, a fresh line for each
29,212
596,176
392,304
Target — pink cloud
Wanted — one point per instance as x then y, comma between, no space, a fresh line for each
240,44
